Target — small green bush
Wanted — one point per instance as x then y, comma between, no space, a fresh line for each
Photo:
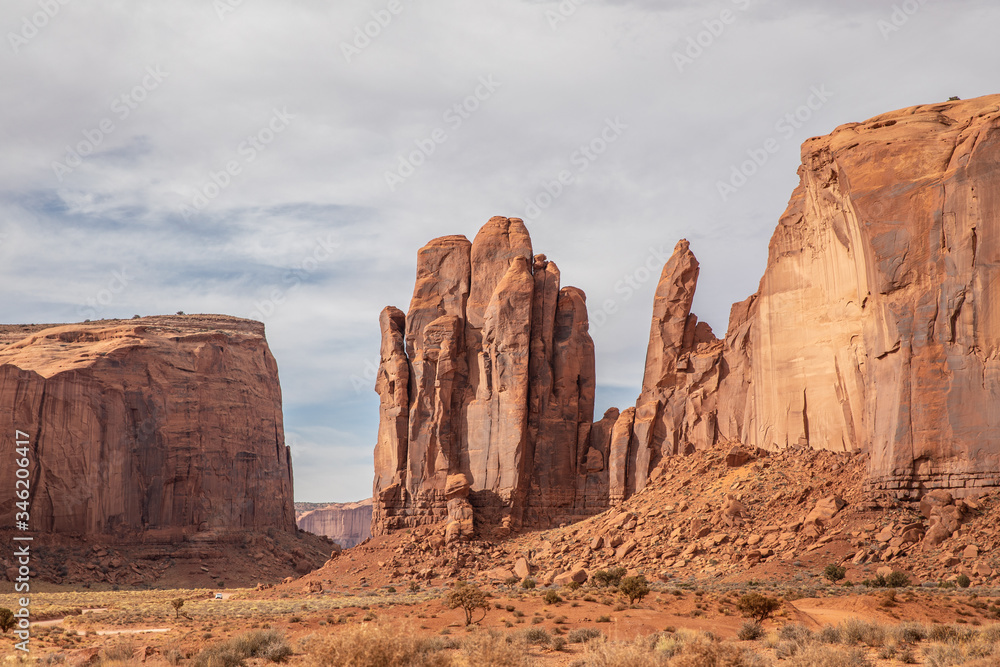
528,583
834,572
897,580
757,607
963,580
612,577
469,598
634,588
551,597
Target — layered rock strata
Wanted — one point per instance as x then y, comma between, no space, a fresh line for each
148,430
486,390
347,524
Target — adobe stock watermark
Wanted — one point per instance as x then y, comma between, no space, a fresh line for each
365,381
33,24
563,12
786,127
629,284
322,251
365,35
121,107
248,151
694,46
582,158
454,117
900,16
225,7
94,305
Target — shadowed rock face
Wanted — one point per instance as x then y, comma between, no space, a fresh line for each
147,430
486,409
874,327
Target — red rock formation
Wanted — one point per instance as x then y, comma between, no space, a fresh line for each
873,327
500,396
347,524
147,430
675,412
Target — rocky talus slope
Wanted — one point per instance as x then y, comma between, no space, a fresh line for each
720,514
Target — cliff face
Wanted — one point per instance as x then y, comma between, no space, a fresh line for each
147,430
874,327
347,524
487,391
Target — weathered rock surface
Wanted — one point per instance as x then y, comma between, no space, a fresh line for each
873,327
147,430
492,383
347,524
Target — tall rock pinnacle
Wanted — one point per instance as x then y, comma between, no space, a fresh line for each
486,411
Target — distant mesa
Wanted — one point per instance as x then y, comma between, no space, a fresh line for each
873,330
347,524
148,429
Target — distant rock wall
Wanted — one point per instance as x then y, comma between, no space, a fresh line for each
147,430
347,524
486,392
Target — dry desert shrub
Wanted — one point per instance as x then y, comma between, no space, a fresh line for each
821,655
976,651
704,653
494,649
750,630
621,654
854,631
375,645
266,644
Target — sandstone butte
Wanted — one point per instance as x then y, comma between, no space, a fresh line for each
158,429
874,329
347,524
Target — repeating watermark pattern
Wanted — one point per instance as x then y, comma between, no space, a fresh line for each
94,305
225,7
32,25
365,381
365,35
22,543
248,152
122,107
323,249
900,16
563,12
582,158
454,117
695,45
786,126
629,284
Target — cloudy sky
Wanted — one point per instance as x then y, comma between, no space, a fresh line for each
285,160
